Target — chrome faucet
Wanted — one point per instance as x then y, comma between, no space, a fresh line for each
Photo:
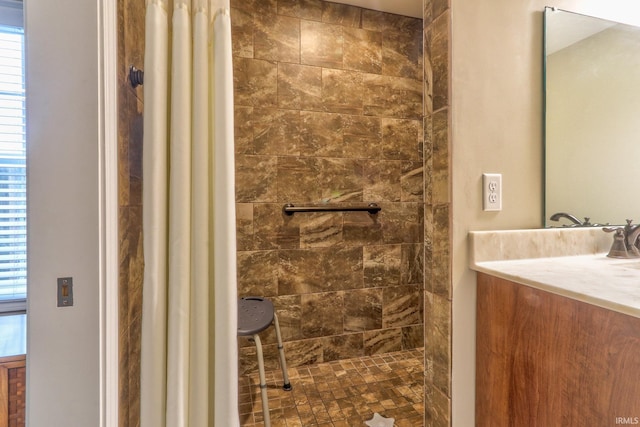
575,221
558,215
625,241
631,233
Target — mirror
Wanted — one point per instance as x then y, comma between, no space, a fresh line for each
592,118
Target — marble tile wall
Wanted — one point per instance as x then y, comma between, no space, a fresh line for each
329,109
437,224
130,105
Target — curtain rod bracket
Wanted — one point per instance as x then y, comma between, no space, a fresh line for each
136,77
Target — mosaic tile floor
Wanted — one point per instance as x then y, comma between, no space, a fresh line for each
343,393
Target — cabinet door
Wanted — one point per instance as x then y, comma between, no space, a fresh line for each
547,360
12,391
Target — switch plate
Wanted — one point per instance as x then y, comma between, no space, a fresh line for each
492,191
65,291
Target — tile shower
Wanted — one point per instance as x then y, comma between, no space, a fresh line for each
328,108
322,126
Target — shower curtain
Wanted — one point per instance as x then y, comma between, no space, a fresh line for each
189,320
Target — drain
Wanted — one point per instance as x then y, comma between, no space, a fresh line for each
380,421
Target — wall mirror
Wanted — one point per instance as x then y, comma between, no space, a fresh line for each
592,119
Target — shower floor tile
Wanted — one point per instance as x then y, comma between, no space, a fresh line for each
341,393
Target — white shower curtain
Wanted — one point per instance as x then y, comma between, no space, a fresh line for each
189,320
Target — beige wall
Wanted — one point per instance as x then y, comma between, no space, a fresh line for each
63,128
496,127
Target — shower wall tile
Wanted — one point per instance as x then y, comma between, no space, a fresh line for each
440,61
440,156
304,352
340,180
342,347
276,38
248,360
299,87
289,310
255,178
255,82
321,44
322,314
441,251
382,180
382,264
382,341
275,132
362,137
388,22
412,264
342,91
131,17
412,182
362,229
428,73
345,15
394,130
437,333
400,308
319,133
321,230
130,46
437,407
402,222
328,109
402,55
242,29
363,310
273,229
440,6
244,226
256,6
297,180
412,337
258,273
362,50
319,270
305,9
381,95
437,224
243,130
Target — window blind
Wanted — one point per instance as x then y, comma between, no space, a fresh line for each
13,188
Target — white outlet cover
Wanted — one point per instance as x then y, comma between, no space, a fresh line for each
491,191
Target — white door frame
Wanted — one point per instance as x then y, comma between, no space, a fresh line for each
109,242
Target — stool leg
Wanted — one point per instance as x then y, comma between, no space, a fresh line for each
283,362
263,382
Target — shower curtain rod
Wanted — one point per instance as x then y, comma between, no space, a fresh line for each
290,209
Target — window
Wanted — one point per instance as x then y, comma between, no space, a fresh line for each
13,188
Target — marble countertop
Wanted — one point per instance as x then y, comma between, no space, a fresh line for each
586,274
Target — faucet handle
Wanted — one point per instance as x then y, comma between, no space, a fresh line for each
619,246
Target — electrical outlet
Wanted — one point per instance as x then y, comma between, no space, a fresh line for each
491,191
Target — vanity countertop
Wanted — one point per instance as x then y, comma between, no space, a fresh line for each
580,271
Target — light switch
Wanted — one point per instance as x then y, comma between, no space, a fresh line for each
65,291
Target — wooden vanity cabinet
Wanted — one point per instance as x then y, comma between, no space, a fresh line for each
547,360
